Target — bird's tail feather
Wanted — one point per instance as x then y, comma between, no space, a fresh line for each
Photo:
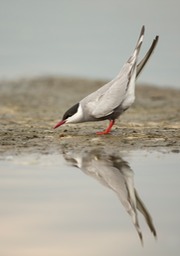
140,39
143,62
138,45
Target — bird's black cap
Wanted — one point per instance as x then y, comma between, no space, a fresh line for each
71,111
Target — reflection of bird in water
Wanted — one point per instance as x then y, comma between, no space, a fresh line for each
115,173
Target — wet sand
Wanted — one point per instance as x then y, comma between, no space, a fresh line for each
29,108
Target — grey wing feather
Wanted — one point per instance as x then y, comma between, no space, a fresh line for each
103,102
112,98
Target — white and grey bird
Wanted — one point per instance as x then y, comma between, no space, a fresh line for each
115,97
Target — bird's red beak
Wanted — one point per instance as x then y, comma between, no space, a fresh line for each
59,124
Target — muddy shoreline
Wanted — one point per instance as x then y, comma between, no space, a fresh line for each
29,108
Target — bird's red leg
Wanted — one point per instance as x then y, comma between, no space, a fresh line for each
108,129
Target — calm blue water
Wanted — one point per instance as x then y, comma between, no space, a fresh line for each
48,207
88,38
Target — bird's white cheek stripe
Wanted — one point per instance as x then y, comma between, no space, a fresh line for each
77,117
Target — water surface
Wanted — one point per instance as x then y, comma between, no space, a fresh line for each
64,205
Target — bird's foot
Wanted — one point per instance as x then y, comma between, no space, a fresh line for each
103,132
108,129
